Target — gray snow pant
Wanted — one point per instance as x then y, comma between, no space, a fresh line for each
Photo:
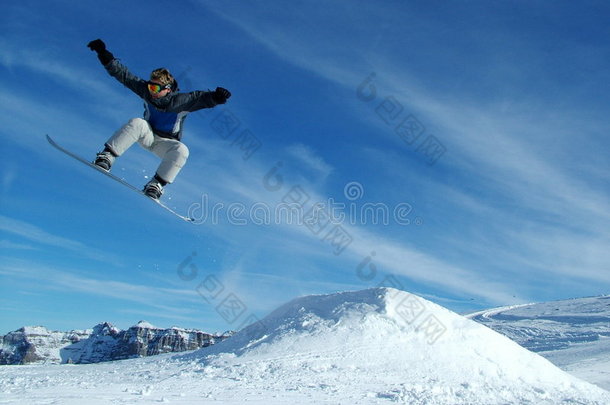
173,153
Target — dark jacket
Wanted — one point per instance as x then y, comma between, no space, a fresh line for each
166,114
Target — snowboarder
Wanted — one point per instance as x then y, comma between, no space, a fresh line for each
160,131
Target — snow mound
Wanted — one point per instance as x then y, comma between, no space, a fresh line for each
386,344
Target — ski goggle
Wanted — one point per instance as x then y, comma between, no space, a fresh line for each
158,88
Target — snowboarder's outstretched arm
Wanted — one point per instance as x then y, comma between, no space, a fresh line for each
197,100
117,70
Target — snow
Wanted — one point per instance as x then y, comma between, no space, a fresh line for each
49,344
373,346
573,334
35,330
144,325
589,361
105,342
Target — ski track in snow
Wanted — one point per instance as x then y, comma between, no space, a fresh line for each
347,348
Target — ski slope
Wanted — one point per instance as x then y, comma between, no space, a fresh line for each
373,346
573,334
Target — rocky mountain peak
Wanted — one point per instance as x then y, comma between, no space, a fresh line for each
104,342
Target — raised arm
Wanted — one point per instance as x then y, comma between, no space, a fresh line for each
117,70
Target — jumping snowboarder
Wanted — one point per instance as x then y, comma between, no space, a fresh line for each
160,131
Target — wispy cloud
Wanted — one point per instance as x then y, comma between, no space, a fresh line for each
309,159
168,300
41,237
299,49
47,64
10,245
27,112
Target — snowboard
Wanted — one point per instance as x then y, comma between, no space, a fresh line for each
117,179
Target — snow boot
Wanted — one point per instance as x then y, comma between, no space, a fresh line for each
153,189
104,160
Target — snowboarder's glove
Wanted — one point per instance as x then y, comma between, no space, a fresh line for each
102,53
97,45
221,95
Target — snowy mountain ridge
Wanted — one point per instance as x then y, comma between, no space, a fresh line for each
105,342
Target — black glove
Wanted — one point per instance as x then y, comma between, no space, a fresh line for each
103,54
221,95
97,45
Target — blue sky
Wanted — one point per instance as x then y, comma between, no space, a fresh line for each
480,129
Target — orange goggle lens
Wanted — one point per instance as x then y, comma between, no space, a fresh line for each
157,88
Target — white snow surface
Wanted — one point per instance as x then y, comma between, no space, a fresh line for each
373,346
49,343
144,324
573,334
